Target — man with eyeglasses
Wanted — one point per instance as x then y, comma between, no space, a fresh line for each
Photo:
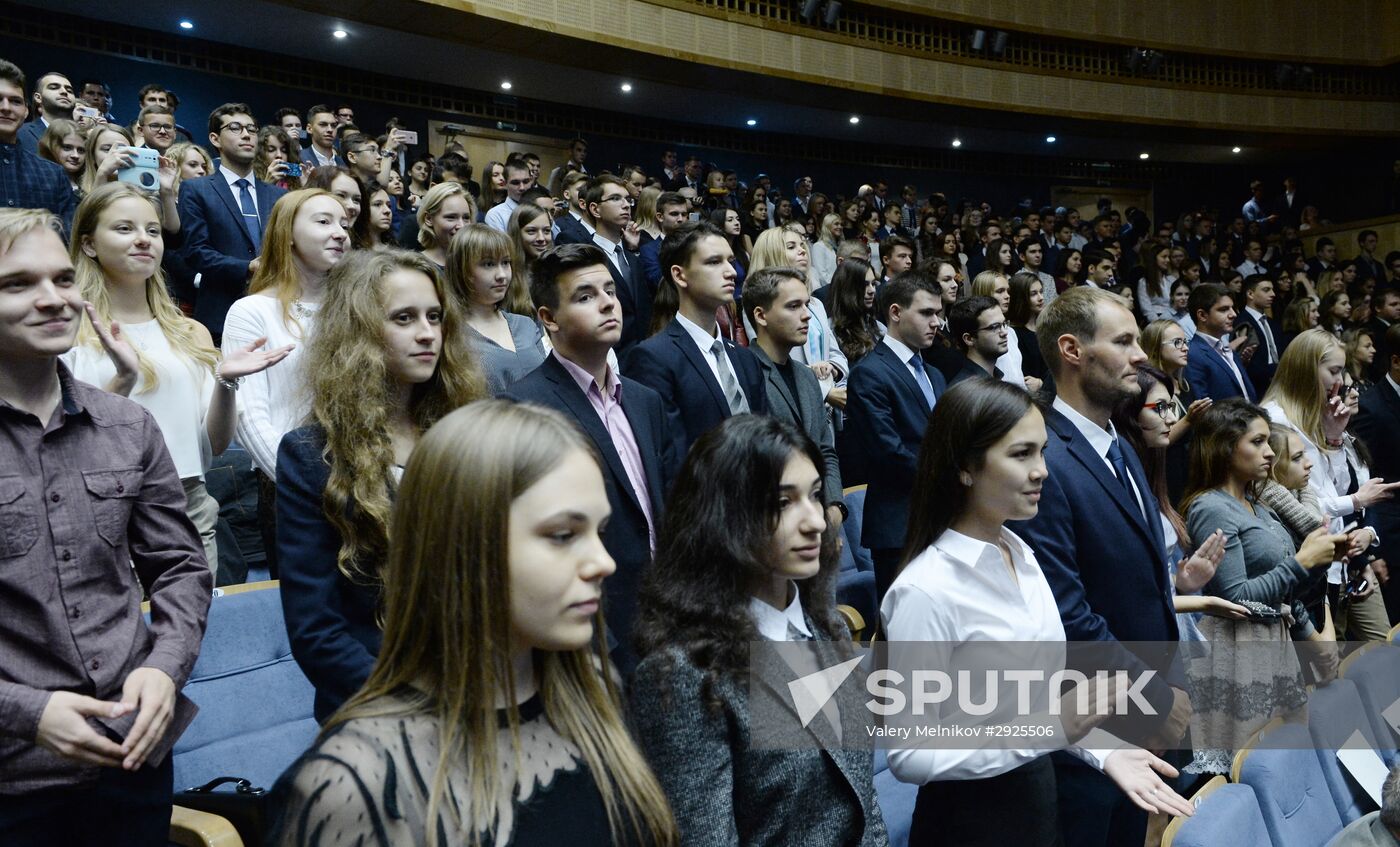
979,329
53,99
156,126
363,158
610,212
223,217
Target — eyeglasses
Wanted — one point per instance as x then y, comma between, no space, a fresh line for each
1000,326
1178,343
615,198
1164,409
163,129
238,128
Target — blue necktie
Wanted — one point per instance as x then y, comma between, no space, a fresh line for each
250,213
921,377
1115,458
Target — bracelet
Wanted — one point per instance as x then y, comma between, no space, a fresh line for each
227,384
1335,443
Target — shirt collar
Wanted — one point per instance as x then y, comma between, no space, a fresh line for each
972,552
899,347
1254,313
702,339
1393,384
611,386
607,246
1099,438
230,177
773,624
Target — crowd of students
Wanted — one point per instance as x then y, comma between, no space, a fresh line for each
535,464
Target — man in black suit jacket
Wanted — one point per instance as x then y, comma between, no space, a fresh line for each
701,377
890,394
691,177
223,217
1263,330
606,198
1376,423
980,331
575,226
320,136
626,421
1387,314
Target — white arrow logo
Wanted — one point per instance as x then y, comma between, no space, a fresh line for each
810,693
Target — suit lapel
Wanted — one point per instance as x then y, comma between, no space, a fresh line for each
1097,467
641,431
775,379
267,198
901,371
221,188
587,416
692,354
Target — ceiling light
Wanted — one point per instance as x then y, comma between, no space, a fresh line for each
855,119
957,142
340,33
505,86
1234,149
1143,156
751,122
1049,139
186,24
626,87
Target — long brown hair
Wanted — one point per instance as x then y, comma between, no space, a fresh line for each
352,398
1154,459
1213,448
447,627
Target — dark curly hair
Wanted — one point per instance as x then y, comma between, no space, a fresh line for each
714,547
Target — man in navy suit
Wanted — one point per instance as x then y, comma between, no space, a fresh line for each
1376,424
223,216
575,227
607,201
701,377
1213,368
320,132
578,305
889,396
1098,537
1263,330
671,212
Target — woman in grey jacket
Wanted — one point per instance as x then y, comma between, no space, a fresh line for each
744,555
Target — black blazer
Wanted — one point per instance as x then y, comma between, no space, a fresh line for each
1259,371
626,539
886,417
217,244
1376,423
1381,366
330,621
671,365
571,231
634,295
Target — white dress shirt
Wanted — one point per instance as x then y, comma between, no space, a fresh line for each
1248,268
959,590
230,177
611,248
773,623
498,217
1010,361
704,341
1267,343
904,353
1099,439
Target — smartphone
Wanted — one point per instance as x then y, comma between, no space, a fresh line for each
408,136
82,110
292,169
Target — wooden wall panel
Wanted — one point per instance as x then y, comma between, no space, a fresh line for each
666,29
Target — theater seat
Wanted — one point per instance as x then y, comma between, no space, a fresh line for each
1375,669
254,702
1335,714
855,583
896,801
1293,795
1225,815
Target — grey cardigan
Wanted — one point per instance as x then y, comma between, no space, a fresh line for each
1259,561
725,793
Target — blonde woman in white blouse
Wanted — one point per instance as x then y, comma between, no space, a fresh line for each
139,343
967,578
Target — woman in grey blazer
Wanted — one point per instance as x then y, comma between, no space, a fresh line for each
744,555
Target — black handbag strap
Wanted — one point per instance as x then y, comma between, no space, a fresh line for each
240,786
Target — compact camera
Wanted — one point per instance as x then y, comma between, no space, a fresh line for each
144,171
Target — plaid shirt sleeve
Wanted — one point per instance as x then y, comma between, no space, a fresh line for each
29,182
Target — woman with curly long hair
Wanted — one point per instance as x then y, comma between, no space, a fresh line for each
491,716
744,555
389,358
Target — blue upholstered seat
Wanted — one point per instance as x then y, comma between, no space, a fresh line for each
1335,714
1376,672
1229,816
1293,793
896,801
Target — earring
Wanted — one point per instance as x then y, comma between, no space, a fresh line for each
966,479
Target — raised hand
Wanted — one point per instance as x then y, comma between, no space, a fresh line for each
1193,573
250,360
118,349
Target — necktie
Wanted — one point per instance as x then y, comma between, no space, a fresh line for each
1268,334
1115,458
250,213
622,262
728,383
921,377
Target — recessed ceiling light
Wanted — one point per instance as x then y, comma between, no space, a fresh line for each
340,33
1143,156
505,86
957,142
1234,149
1049,139
751,122
626,87
186,24
855,119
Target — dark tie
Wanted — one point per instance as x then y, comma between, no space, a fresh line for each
1115,458
728,383
250,213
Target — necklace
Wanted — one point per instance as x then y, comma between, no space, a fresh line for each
301,310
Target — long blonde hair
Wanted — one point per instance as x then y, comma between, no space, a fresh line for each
277,268
432,202
184,334
476,243
352,398
447,627
768,251
90,165
646,211
1296,388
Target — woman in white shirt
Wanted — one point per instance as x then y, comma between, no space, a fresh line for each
967,578
307,234
140,344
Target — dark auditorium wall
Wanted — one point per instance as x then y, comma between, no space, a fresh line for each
1351,191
